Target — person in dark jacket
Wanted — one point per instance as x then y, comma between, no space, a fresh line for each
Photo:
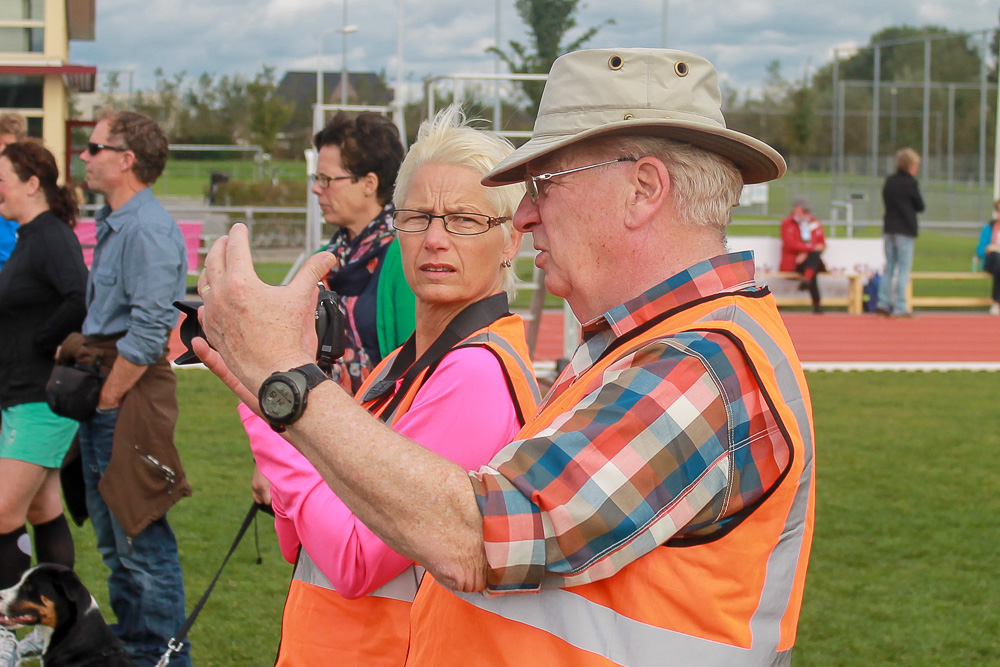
42,289
901,195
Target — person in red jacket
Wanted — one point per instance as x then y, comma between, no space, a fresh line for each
802,245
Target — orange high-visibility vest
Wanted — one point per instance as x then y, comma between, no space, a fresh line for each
322,627
733,599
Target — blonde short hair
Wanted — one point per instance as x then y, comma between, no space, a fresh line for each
15,124
906,158
448,138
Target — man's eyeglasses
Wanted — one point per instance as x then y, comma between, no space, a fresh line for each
324,181
531,183
93,149
462,224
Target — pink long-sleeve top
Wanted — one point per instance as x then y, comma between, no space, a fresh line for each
463,412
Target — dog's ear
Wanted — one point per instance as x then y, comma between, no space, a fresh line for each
71,588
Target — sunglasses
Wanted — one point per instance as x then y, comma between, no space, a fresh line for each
93,149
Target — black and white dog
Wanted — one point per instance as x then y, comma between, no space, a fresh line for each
53,597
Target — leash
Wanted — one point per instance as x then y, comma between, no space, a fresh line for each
177,643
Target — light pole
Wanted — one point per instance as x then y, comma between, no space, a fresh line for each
343,71
318,114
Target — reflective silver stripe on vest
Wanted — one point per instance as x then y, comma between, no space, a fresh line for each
402,587
603,631
781,566
501,342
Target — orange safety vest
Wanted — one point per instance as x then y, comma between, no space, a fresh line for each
320,626
731,600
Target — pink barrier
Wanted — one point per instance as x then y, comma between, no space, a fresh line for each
86,232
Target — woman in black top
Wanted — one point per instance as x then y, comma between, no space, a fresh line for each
42,290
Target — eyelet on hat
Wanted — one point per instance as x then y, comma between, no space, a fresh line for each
628,116
616,62
681,68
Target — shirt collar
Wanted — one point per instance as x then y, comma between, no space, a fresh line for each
723,273
116,219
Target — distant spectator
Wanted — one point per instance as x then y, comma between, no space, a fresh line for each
13,127
42,300
131,469
802,244
901,195
988,251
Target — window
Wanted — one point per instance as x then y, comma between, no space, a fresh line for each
22,10
22,26
22,40
21,92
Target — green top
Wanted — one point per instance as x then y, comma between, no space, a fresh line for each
395,308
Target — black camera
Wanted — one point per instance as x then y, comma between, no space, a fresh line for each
330,329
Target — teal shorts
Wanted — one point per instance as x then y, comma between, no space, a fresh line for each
32,432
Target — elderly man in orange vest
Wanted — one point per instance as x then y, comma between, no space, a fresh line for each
659,507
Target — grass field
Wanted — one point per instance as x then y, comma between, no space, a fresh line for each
904,564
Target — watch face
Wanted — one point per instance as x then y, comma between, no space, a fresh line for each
278,401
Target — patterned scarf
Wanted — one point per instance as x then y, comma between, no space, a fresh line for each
359,259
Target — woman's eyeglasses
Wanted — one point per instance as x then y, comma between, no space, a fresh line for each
324,181
462,224
93,149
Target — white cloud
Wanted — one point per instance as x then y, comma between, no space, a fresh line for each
448,36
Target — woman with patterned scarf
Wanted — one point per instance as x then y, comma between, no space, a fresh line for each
355,175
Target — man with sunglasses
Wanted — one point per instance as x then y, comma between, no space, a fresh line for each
659,507
132,472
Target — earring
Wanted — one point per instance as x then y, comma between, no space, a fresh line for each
505,263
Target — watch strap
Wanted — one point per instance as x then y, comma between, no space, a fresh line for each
313,374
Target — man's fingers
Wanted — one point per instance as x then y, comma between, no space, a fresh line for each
238,257
215,260
312,272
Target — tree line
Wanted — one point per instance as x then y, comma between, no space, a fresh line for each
795,115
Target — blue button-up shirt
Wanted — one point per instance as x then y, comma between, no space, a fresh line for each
139,270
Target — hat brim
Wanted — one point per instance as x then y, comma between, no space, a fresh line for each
755,160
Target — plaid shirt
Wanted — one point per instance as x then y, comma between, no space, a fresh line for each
671,441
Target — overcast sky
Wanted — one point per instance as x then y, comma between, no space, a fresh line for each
450,36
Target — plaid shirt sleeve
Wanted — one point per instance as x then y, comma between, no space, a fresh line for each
671,440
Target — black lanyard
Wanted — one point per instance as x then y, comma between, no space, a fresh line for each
473,318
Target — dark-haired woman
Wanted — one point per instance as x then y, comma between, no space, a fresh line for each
42,289
355,174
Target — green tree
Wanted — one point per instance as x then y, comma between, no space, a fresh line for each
801,121
955,58
268,112
548,23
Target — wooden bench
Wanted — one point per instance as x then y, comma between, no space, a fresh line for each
849,262
949,301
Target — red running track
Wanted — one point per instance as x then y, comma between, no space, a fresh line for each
838,337
835,337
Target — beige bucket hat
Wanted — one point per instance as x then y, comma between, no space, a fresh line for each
657,92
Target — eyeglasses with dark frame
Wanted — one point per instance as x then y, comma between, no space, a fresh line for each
531,182
461,224
324,181
95,148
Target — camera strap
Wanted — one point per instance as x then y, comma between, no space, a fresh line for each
474,317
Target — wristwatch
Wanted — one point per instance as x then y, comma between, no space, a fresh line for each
282,396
